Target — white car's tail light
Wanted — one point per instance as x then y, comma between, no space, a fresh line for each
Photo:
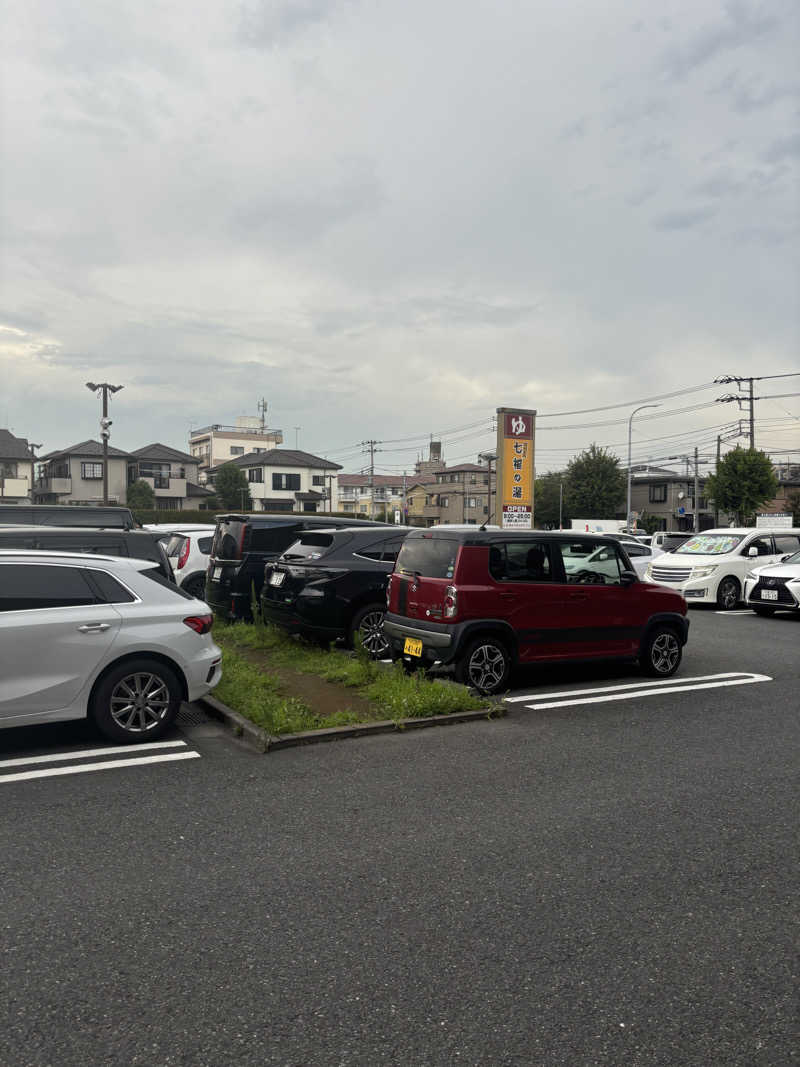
187,541
450,602
201,624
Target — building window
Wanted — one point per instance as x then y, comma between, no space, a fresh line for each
237,450
91,471
445,501
286,481
255,474
657,494
317,479
8,470
472,502
410,502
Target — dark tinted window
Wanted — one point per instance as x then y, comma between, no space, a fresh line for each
25,586
275,539
228,540
636,550
110,591
433,557
112,546
520,561
204,544
159,578
787,543
391,549
309,546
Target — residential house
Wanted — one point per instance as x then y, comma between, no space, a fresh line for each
285,479
668,496
173,476
419,506
213,445
380,496
16,469
457,494
74,475
788,475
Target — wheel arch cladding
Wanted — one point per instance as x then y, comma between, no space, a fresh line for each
668,621
502,631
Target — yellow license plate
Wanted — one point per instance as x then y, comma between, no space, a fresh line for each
412,647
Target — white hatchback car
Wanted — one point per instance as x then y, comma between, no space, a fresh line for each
99,636
189,551
711,567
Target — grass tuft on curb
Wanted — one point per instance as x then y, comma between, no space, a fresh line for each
256,694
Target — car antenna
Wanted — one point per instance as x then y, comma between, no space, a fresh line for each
483,526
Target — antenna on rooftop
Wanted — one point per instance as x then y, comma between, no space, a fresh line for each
262,408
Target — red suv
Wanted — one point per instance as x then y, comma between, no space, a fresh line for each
482,601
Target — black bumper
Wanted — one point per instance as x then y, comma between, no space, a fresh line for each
439,641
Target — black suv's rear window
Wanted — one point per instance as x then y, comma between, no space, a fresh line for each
227,540
429,558
310,546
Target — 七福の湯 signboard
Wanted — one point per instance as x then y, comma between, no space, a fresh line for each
515,470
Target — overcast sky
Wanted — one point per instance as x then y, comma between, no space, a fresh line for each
389,217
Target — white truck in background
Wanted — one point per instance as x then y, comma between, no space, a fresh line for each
599,525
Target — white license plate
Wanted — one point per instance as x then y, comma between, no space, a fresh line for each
769,594
216,574
276,578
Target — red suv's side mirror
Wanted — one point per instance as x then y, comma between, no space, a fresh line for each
628,578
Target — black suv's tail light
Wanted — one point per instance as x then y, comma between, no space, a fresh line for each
450,602
201,624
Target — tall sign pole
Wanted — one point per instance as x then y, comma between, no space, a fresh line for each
514,473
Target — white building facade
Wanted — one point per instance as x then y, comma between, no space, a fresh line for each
283,479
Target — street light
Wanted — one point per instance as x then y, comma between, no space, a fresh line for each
105,422
630,428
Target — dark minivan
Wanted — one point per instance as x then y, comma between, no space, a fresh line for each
136,544
244,544
97,516
483,601
331,585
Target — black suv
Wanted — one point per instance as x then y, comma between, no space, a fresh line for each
137,544
331,584
244,544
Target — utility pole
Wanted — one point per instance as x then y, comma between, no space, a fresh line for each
105,423
369,446
752,419
560,504
716,471
404,513
630,428
696,493
729,398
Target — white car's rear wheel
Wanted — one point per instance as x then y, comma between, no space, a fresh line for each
137,701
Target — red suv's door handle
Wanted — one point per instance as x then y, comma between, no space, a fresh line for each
508,596
578,596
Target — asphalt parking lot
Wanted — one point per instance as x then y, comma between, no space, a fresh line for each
606,876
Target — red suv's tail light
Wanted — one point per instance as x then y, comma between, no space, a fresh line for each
201,624
187,541
450,602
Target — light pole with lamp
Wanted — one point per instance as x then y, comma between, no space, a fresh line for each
630,429
104,388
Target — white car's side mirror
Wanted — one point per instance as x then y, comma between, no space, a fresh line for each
752,551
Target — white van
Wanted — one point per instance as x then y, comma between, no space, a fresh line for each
711,567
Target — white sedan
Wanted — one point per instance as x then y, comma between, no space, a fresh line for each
775,588
99,636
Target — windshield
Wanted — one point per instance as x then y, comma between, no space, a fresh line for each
793,559
709,545
428,557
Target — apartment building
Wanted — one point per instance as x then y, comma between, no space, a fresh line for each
286,479
213,445
74,475
380,497
16,469
457,494
668,496
173,476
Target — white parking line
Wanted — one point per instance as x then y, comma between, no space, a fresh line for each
661,690
87,753
84,768
630,685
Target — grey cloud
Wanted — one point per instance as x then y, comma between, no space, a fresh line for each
574,131
743,24
268,23
752,92
718,187
683,220
641,195
783,148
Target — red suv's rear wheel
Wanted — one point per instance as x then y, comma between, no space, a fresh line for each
485,664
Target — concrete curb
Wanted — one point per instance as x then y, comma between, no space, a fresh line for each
261,741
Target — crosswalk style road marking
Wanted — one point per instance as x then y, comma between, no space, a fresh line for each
634,690
127,756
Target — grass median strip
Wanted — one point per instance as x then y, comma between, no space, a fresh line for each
259,663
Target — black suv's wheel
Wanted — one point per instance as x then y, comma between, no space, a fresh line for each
136,701
728,593
662,652
368,624
195,586
485,664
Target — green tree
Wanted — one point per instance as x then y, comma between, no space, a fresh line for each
793,505
232,488
595,484
546,493
141,496
744,481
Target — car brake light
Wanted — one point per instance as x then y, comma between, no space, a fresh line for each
201,624
184,552
389,592
450,602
